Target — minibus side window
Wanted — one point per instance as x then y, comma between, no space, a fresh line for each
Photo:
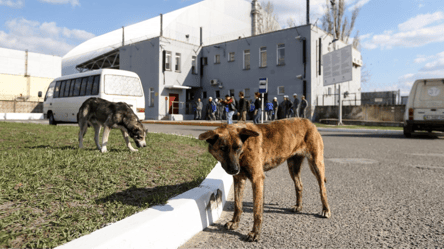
71,89
67,88
62,89
89,86
57,89
77,87
83,87
95,88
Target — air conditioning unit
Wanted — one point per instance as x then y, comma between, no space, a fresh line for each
214,82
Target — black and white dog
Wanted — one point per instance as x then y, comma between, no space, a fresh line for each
98,112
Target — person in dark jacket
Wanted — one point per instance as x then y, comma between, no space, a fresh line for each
275,108
258,109
295,106
228,102
302,107
242,107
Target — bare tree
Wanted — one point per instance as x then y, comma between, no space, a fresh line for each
365,74
336,23
270,19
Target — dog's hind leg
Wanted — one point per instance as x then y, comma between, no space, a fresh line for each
316,162
83,127
97,128
294,167
239,186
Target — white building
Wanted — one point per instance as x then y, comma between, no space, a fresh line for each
175,56
23,74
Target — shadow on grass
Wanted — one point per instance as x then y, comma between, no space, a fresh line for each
141,197
66,147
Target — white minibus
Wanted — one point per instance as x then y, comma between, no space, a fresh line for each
425,107
66,94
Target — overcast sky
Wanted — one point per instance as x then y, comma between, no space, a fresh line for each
401,40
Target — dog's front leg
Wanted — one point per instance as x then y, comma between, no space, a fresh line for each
106,132
258,206
97,128
239,185
127,141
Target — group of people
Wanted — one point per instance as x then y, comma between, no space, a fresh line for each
225,109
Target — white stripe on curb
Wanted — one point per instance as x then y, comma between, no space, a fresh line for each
372,131
165,226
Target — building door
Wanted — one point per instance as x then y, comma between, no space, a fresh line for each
174,103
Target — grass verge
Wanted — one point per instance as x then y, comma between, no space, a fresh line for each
359,127
51,192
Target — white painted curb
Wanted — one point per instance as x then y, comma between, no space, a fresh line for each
372,131
165,226
21,116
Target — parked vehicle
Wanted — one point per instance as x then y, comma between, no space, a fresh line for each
66,94
425,107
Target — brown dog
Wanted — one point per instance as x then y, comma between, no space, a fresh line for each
248,150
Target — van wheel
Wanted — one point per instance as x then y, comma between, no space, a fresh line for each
408,132
51,119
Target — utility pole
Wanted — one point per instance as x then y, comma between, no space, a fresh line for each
308,12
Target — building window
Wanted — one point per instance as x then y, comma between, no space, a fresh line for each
177,62
232,93
231,56
168,60
151,97
263,57
247,92
217,59
246,59
329,91
281,54
193,65
217,94
281,90
204,95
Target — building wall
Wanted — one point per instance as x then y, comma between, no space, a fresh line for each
233,76
13,86
220,21
143,59
39,65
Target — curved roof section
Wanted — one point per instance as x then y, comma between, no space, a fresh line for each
221,20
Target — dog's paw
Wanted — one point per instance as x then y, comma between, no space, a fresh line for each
134,150
326,214
103,150
296,208
232,225
252,236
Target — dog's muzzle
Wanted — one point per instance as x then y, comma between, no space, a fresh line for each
140,144
231,170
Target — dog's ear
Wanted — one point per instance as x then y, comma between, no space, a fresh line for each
210,136
245,133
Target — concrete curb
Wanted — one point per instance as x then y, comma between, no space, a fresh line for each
372,131
21,116
165,226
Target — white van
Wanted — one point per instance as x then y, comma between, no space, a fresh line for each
66,94
425,107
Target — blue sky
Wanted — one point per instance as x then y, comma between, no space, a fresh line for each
401,40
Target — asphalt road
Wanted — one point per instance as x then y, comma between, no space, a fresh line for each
383,190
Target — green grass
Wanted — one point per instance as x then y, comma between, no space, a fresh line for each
358,127
52,192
